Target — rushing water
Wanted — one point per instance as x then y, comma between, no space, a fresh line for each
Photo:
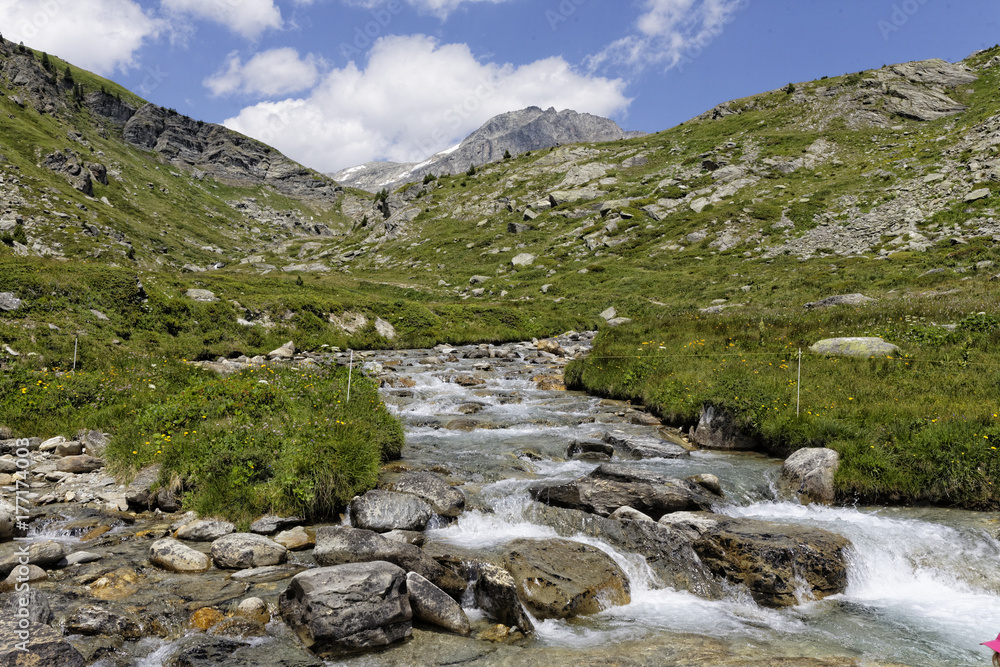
924,584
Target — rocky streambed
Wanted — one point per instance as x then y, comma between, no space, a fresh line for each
523,525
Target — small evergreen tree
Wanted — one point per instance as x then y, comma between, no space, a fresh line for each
45,62
506,155
471,171
20,48
68,76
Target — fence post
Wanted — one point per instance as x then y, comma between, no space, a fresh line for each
798,385
350,370
76,344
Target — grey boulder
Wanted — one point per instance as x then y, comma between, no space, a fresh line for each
855,347
242,551
432,605
204,530
383,511
443,498
169,554
348,608
808,475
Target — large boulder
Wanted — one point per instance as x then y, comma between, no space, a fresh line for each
643,446
242,551
496,593
169,554
611,486
204,530
808,475
348,608
776,562
855,347
336,545
432,605
443,498
717,429
45,646
383,511
139,495
561,579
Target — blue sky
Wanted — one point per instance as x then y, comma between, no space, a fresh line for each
333,83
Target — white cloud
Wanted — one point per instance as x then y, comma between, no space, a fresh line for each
271,73
416,97
439,8
248,18
670,33
100,35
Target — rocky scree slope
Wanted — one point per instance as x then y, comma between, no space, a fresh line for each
516,132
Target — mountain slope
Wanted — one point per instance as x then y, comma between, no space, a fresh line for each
516,132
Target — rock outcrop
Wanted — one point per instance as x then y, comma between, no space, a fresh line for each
808,475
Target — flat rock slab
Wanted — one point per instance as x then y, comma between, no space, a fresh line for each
443,498
204,530
348,608
79,464
383,511
559,578
855,347
775,561
611,486
644,446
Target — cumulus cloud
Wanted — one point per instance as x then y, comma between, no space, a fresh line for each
414,98
100,35
248,18
670,33
271,73
439,8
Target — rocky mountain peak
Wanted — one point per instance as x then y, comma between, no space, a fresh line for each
516,132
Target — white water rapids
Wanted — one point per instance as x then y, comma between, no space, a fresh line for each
924,584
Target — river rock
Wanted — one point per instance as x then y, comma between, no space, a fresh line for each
8,521
270,524
70,448
413,537
383,511
611,486
175,556
775,561
718,429
295,539
168,500
45,646
23,574
443,498
590,450
204,530
95,442
79,464
91,620
561,579
644,446
348,608
808,475
336,545
626,513
256,609
35,601
242,551
238,627
496,594
708,482
432,605
855,347
138,495
201,650
43,554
